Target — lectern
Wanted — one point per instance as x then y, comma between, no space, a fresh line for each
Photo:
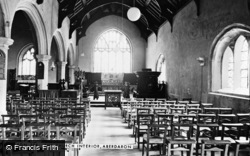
112,98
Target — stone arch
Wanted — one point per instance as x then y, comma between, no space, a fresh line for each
60,44
70,55
38,23
2,22
6,18
218,47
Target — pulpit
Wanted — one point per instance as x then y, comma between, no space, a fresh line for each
112,98
147,84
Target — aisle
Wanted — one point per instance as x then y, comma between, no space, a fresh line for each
107,127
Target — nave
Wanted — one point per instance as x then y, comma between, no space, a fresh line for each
107,127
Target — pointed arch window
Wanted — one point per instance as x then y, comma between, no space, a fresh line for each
161,67
235,67
27,61
112,53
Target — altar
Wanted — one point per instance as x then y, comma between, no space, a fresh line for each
112,98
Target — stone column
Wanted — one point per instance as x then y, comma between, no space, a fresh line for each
72,74
4,47
61,69
43,83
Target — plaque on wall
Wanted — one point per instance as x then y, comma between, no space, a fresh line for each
40,70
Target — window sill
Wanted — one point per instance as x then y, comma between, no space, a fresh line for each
243,97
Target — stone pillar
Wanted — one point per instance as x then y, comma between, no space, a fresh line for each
4,47
72,74
43,83
61,69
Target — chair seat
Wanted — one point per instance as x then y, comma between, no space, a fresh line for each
243,141
39,138
181,141
153,140
13,138
232,141
142,127
68,138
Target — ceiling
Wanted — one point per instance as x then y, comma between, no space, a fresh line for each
82,13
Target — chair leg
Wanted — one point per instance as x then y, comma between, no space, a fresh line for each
202,149
147,150
143,143
192,150
226,149
169,149
237,150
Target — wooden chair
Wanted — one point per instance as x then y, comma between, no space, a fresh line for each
209,146
39,131
193,110
205,105
143,120
149,99
80,111
165,119
193,105
139,111
206,131
12,132
243,117
212,110
67,132
162,100
155,136
11,128
186,118
226,118
177,111
181,139
78,129
236,134
206,118
160,110
244,145
226,111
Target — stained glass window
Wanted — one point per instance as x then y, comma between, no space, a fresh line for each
112,53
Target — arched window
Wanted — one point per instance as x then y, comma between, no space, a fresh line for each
230,64
27,61
227,69
161,67
244,65
112,53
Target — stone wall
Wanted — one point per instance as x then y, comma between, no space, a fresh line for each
192,37
86,44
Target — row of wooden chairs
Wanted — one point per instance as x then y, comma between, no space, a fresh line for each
203,130
39,105
129,107
43,127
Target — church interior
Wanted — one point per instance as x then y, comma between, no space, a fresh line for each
126,77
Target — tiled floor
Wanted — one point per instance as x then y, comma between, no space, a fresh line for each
108,128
